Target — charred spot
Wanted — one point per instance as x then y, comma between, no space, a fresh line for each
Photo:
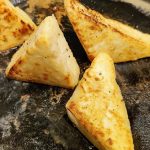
82,86
79,33
85,79
15,34
117,31
9,15
94,27
3,10
98,133
97,79
45,75
72,105
22,22
94,136
37,64
82,121
72,3
20,62
30,28
67,78
4,38
91,57
23,30
110,142
17,71
88,74
13,71
74,23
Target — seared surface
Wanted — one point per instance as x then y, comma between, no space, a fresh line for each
15,26
98,33
34,117
97,107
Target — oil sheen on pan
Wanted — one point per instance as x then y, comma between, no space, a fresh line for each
33,116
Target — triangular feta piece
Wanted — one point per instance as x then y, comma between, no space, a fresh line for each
15,25
45,58
99,34
97,107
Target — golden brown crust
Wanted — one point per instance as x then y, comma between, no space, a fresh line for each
99,34
38,60
25,29
15,26
97,108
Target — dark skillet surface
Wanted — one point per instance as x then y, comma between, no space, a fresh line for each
33,117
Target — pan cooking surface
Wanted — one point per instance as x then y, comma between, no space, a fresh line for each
33,116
